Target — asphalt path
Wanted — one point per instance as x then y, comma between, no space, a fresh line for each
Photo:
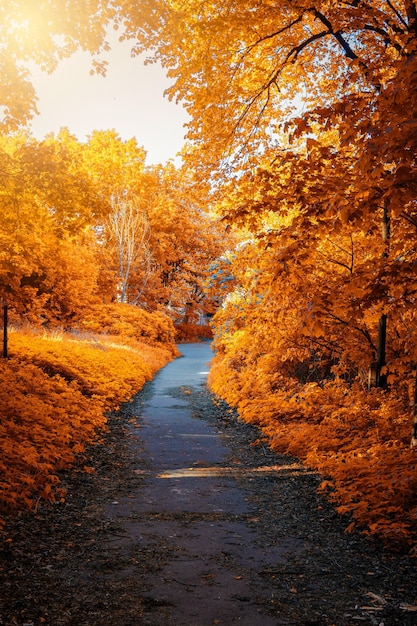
192,506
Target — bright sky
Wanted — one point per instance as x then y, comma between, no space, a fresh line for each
129,100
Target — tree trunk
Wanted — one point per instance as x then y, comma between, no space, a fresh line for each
414,424
129,229
5,332
381,379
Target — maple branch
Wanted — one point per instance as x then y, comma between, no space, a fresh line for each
294,52
272,35
385,36
348,252
411,9
352,251
340,263
397,13
330,345
360,330
410,220
337,34
265,88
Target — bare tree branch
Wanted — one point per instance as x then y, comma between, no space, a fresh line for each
129,228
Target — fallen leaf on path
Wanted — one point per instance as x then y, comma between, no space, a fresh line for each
408,607
376,598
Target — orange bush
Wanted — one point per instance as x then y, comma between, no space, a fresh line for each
101,369
357,440
130,322
56,390
45,422
187,332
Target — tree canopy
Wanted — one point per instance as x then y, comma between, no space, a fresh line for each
242,68
65,238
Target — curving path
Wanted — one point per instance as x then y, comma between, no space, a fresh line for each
193,505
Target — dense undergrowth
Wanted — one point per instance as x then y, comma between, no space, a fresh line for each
56,390
358,440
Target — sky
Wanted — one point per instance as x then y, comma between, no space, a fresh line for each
129,100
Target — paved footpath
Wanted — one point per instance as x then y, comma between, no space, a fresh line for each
191,503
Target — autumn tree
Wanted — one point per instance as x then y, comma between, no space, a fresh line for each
46,230
184,240
130,231
239,67
114,165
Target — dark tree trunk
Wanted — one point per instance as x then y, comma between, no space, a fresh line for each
381,379
414,424
5,331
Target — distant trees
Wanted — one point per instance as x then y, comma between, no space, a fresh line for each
85,223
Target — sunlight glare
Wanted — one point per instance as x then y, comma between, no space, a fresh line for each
204,472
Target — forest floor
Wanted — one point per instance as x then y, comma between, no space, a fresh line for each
287,558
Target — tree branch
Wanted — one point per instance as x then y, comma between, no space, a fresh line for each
348,252
340,263
296,51
337,34
362,331
329,345
410,7
397,13
410,220
387,39
272,35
